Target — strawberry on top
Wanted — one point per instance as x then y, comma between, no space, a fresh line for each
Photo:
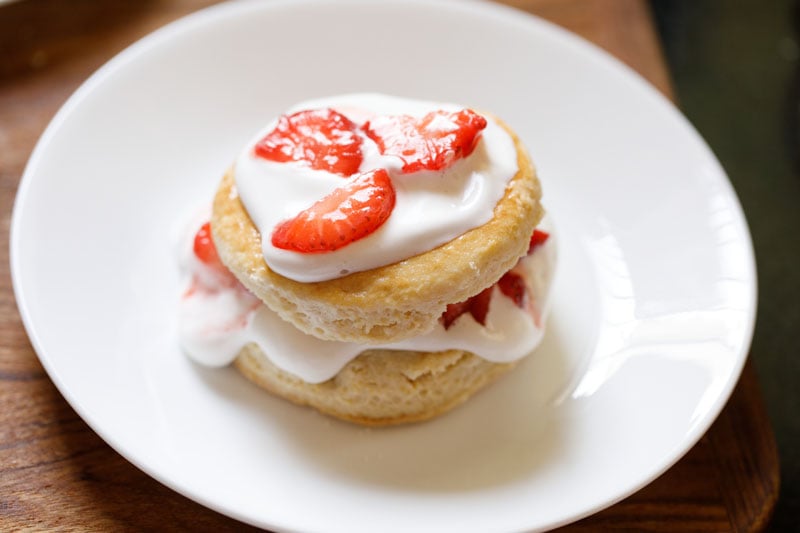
433,142
354,210
325,139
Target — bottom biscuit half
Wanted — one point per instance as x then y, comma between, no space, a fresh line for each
380,387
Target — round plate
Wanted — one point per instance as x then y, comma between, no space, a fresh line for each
653,304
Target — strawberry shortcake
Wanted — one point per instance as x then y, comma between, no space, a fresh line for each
375,257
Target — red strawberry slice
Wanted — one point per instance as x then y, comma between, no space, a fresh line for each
433,142
205,250
323,139
513,286
452,312
349,213
538,238
478,307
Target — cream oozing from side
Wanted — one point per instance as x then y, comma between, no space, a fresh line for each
218,318
431,208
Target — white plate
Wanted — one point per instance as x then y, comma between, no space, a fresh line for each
654,299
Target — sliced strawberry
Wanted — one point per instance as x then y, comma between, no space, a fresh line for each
433,142
513,286
538,238
323,139
479,305
349,213
452,312
206,252
204,248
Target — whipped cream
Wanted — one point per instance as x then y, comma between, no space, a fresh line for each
432,207
218,318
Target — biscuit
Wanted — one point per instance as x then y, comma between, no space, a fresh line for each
380,387
396,301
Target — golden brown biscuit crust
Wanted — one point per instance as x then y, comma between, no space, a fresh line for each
392,302
380,387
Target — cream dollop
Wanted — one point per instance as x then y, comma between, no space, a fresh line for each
431,208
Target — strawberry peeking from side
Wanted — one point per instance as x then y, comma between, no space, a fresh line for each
433,142
453,311
477,306
351,212
322,138
205,250
216,281
511,285
538,238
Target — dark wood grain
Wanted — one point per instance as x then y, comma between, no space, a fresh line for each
55,473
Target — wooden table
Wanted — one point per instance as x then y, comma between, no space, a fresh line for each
56,473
